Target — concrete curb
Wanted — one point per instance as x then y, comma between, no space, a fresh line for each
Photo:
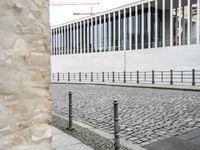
103,134
164,87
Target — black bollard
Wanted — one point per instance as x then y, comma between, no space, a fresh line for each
70,111
116,126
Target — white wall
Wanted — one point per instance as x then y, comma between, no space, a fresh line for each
177,58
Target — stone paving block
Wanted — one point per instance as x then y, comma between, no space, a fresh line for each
133,139
137,141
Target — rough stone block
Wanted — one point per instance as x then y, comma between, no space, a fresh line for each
40,132
13,107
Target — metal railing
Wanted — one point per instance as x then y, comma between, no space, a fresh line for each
186,77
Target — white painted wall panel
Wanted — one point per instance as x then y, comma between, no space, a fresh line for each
178,58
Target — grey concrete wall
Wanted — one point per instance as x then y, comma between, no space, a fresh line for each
24,75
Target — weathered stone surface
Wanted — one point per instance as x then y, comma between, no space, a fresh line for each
39,3
5,128
40,132
13,107
20,47
37,45
36,76
38,146
40,91
28,29
14,139
6,97
2,56
8,62
44,106
36,120
24,70
38,59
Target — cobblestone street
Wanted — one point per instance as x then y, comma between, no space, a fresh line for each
146,115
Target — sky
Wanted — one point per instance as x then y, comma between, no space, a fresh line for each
63,14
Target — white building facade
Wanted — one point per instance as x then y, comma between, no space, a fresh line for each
146,35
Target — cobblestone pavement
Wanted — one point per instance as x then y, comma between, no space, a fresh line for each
147,115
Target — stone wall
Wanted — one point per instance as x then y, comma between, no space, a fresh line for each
25,105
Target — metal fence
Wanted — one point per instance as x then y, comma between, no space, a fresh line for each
186,77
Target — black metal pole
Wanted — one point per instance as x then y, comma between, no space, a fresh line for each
102,76
181,76
130,76
153,79
113,76
171,77
58,76
138,77
161,76
193,77
116,126
124,76
70,111
91,76
79,76
68,76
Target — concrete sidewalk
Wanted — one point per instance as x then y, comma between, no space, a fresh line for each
140,85
62,141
